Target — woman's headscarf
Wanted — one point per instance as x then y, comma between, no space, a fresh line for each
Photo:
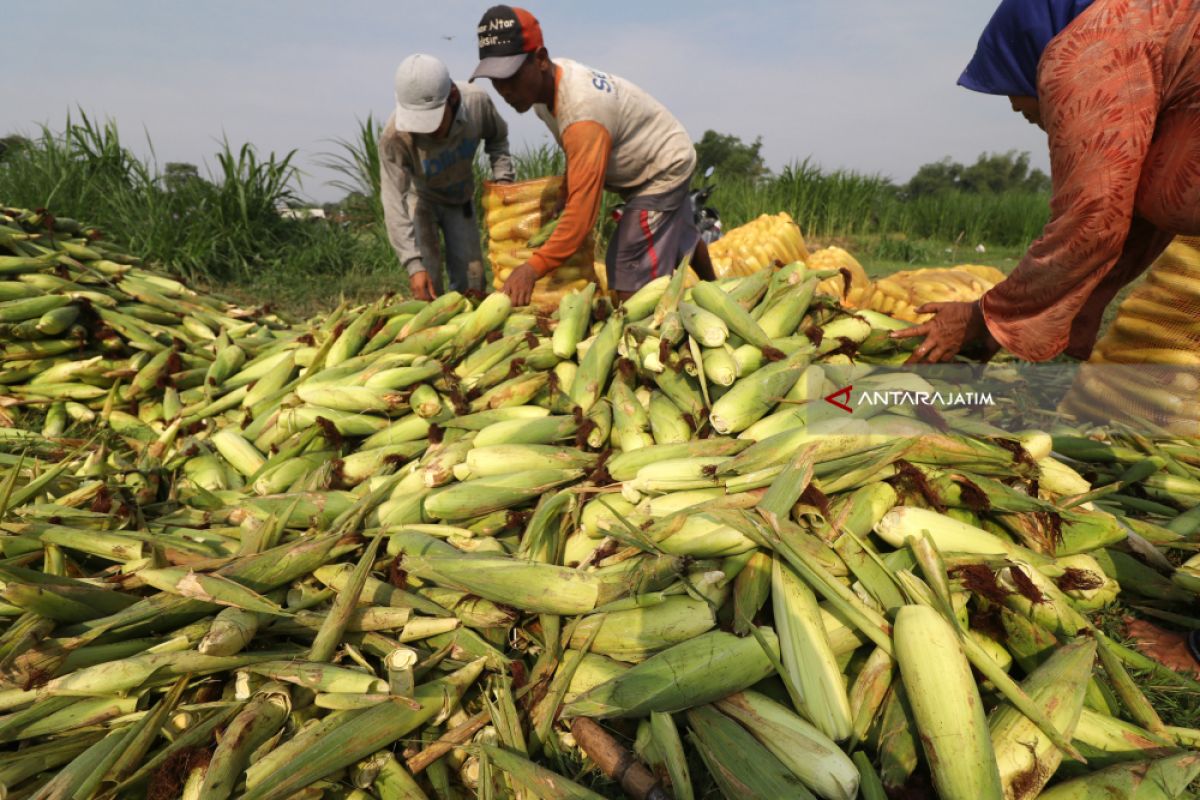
1012,44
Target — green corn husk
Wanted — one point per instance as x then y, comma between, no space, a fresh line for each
394,782
751,589
700,670
721,365
946,706
1026,757
232,630
1106,740
65,602
669,747
487,317
529,586
77,778
477,497
130,673
626,466
675,382
483,419
254,724
1162,779
704,326
208,588
512,392
807,655
537,780
752,397
599,422
479,362
717,302
359,735
596,364
699,535
574,314
35,759
404,377
437,312
869,691
786,310
810,755
495,460
740,765
637,633
544,430
631,422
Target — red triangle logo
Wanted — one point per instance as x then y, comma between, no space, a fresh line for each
843,393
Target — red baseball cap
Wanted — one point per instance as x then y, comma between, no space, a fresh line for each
507,35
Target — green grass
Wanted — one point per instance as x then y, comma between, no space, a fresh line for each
221,228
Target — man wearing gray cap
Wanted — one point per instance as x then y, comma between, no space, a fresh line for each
426,154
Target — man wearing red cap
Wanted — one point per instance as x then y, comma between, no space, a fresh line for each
426,154
616,137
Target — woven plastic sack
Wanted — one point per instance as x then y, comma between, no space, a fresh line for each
901,293
760,243
836,258
1146,367
514,212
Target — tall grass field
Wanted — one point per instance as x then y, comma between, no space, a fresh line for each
224,229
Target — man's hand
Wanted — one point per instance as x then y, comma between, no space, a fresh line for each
421,286
519,286
953,326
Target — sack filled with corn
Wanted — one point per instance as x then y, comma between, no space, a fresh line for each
1147,365
248,557
519,217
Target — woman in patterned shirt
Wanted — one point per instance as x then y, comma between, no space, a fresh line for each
1116,86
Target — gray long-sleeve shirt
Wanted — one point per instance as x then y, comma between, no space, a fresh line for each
438,170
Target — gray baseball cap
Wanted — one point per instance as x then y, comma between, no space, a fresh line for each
422,88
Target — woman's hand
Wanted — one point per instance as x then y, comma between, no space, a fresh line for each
953,327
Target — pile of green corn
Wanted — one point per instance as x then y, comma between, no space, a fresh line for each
417,550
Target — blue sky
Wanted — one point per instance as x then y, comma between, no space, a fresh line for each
862,84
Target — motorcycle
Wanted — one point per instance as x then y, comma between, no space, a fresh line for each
707,218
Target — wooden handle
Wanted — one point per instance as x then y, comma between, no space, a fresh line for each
616,762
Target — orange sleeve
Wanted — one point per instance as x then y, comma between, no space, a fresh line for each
587,145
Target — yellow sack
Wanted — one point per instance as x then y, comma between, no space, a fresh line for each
757,245
514,212
1146,367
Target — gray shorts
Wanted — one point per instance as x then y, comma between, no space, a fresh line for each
655,234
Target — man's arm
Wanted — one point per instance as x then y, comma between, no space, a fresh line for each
395,183
495,144
587,146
